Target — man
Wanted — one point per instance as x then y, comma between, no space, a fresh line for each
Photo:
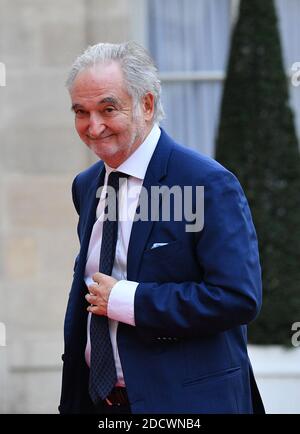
167,324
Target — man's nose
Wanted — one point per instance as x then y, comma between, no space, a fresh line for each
96,125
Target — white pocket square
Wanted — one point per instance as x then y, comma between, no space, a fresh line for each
155,245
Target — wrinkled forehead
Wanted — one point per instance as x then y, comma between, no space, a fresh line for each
100,80
100,75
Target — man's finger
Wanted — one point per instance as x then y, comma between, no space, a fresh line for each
91,298
93,289
98,277
92,309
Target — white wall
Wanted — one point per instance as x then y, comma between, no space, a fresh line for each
277,371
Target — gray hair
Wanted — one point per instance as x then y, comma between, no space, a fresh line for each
139,71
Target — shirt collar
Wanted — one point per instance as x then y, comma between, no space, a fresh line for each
136,165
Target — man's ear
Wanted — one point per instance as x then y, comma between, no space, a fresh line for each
148,106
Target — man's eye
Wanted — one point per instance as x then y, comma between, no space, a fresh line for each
109,109
80,112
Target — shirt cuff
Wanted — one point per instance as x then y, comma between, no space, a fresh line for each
121,302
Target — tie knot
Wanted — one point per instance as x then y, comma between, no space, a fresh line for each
115,179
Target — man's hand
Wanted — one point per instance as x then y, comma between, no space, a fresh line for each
99,293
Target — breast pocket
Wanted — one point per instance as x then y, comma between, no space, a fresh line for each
166,249
173,262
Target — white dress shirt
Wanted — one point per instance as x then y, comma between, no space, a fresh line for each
121,300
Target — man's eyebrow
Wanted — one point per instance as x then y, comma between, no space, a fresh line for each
76,106
109,99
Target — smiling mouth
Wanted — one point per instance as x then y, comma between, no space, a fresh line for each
100,138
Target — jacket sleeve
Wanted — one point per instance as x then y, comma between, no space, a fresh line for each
230,292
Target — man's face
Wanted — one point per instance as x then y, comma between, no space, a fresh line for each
104,117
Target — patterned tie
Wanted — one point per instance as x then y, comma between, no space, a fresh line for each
103,376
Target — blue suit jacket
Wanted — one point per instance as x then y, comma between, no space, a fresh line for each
187,352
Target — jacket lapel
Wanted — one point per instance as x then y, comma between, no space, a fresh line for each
88,217
140,232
